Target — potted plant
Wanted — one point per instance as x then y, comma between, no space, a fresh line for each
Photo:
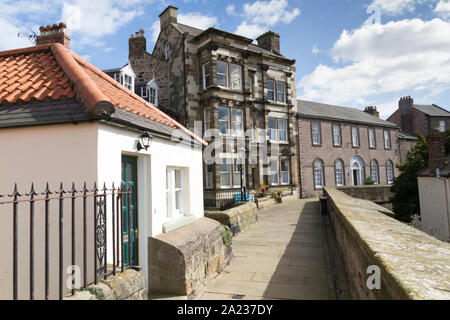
277,197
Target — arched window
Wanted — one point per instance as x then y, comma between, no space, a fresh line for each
390,172
374,171
357,171
339,172
152,89
167,50
318,174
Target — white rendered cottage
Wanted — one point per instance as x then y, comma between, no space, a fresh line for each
64,120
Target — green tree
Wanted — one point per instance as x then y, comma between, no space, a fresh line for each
405,202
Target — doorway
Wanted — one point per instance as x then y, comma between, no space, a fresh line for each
357,171
130,218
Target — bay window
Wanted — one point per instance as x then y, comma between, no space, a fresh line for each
236,83
222,74
271,90
206,73
224,120
281,92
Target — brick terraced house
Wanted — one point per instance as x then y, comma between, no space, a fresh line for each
342,146
225,82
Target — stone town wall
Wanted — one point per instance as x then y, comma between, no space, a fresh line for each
380,194
183,261
238,219
129,285
413,264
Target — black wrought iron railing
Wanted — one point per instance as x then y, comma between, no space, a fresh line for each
220,199
63,229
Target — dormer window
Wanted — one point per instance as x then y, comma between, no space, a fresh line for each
152,89
127,81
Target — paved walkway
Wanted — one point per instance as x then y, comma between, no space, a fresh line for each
285,256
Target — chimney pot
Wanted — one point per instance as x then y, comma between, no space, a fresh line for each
53,34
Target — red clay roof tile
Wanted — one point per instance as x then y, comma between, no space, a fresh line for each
52,72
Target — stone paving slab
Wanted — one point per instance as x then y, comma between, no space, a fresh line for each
285,256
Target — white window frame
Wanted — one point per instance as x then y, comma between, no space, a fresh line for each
273,136
387,139
283,100
442,126
270,91
389,172
129,85
235,76
209,176
237,127
372,138
207,119
315,134
227,121
355,136
318,175
339,143
172,191
227,162
274,168
286,173
339,173
281,130
225,75
206,73
374,171
144,92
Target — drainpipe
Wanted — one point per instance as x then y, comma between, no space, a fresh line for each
264,68
299,164
183,39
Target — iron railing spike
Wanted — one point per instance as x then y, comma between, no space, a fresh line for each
15,192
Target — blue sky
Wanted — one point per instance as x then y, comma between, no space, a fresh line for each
349,52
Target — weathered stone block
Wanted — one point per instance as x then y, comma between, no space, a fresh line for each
238,219
183,261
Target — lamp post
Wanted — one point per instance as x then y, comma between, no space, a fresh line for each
241,169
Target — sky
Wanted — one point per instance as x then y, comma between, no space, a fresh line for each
351,53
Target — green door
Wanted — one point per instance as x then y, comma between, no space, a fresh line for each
130,241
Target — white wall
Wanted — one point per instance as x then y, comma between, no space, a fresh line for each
113,142
434,196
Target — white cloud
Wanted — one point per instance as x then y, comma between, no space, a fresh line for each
250,30
270,12
396,7
230,10
443,9
316,50
155,29
401,56
259,16
198,20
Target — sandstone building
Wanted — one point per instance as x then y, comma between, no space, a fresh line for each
225,82
342,146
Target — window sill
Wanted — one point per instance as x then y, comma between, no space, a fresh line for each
178,223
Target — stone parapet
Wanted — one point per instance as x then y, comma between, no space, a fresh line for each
183,261
129,285
380,194
238,219
413,264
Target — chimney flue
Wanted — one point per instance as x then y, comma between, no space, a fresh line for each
53,34
168,16
269,41
372,110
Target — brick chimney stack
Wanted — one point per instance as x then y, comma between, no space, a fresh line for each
168,16
405,106
53,34
137,44
372,110
436,144
270,41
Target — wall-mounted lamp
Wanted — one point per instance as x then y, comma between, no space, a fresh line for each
146,141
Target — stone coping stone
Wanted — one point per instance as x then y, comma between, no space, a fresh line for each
414,264
183,261
129,285
238,219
